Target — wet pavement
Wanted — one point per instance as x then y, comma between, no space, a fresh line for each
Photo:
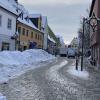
53,82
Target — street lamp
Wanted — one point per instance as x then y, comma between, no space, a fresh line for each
93,23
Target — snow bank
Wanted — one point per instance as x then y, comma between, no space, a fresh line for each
26,57
82,74
15,63
2,97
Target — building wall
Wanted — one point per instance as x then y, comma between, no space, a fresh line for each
95,36
24,39
3,28
45,31
5,33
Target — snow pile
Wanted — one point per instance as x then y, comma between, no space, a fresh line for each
2,97
15,63
82,74
26,57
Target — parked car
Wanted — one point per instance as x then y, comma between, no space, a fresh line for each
71,52
63,51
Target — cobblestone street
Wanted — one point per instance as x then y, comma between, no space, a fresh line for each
52,82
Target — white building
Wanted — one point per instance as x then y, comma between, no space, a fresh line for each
8,17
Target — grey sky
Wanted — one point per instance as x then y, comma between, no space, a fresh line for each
63,15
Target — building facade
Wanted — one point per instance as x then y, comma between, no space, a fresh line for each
94,36
42,24
29,36
8,18
74,43
51,45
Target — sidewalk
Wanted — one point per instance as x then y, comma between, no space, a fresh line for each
90,67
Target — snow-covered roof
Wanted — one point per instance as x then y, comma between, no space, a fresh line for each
51,39
21,9
44,18
28,23
34,15
6,5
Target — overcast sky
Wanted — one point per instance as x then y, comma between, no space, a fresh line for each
63,15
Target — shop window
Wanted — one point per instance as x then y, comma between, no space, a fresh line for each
24,47
5,46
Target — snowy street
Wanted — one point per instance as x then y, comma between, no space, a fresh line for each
49,50
53,81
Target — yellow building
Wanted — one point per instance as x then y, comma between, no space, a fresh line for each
28,33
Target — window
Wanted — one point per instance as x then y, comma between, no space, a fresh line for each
9,23
31,34
36,36
5,46
23,31
27,32
40,37
24,47
0,20
19,30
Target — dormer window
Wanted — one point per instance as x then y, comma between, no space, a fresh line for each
21,15
27,19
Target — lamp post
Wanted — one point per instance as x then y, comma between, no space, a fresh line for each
93,23
82,44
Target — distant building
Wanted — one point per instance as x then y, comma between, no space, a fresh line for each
51,45
29,35
74,43
8,16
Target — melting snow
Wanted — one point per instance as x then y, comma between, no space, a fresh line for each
2,97
14,63
82,74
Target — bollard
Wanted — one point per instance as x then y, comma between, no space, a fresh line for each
77,62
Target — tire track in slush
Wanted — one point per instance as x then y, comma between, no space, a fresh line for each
72,88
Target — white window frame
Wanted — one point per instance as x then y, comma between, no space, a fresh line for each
9,24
